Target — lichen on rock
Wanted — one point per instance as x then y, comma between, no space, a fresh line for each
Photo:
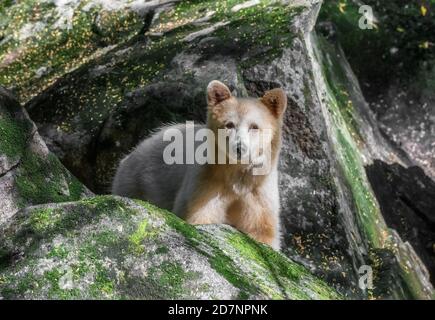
51,38
113,248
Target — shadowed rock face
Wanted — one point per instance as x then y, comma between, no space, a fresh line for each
406,200
156,72
394,67
394,62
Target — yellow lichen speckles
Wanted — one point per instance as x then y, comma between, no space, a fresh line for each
42,43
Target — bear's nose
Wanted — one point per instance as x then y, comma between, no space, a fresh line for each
240,149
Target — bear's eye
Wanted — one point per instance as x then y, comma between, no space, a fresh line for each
229,125
253,127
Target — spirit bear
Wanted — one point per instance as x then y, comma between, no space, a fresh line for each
213,192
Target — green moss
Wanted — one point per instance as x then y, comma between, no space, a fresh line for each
170,276
103,284
91,100
91,255
5,4
351,163
225,266
347,139
338,84
188,231
279,268
48,221
106,238
162,250
38,179
265,257
365,201
107,204
42,219
264,29
12,136
190,10
52,278
58,252
218,261
30,282
60,50
270,261
142,232
44,180
185,229
95,254
26,283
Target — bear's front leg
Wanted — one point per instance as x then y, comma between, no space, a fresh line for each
254,217
205,208
264,230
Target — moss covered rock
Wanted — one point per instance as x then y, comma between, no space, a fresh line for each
394,61
29,173
113,248
376,86
43,40
399,272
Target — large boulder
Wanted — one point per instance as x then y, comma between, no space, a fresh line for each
357,143
43,40
393,59
29,173
113,248
391,102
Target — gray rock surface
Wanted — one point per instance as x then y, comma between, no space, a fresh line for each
29,173
113,248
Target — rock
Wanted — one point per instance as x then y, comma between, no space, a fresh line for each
357,143
114,248
52,38
406,199
388,109
245,5
29,173
396,72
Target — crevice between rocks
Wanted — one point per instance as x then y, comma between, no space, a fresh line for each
405,196
12,168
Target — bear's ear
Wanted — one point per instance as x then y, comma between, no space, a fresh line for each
276,101
217,92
